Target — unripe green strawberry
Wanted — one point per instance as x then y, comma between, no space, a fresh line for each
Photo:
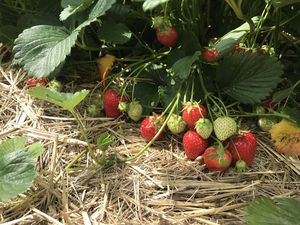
135,111
176,124
93,110
204,127
241,165
123,106
55,85
224,127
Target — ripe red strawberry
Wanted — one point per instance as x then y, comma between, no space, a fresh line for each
111,100
150,126
176,124
217,159
167,36
243,147
32,82
193,144
239,48
192,112
210,55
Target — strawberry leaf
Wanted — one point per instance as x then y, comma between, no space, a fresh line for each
43,49
17,166
66,100
225,43
73,6
265,211
182,67
248,77
151,4
293,114
281,3
116,33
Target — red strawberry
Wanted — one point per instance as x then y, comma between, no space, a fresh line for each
193,144
192,112
210,55
243,147
32,82
167,36
239,48
150,126
217,159
111,100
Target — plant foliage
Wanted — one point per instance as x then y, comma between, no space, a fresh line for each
266,211
248,77
17,166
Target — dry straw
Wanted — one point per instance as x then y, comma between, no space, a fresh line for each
161,187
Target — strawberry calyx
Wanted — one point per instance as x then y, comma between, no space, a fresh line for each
161,23
157,120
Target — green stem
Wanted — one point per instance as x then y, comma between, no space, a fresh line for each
84,133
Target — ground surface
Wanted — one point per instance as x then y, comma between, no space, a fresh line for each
161,187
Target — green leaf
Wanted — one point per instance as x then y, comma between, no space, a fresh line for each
116,33
104,140
151,4
16,174
74,6
100,8
41,49
293,115
66,100
265,211
282,94
35,150
147,95
282,3
11,145
225,43
248,77
182,67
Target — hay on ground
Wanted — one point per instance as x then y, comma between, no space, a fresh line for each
161,187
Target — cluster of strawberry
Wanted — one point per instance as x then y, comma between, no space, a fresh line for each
53,84
232,146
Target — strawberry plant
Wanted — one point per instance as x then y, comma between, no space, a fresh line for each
17,166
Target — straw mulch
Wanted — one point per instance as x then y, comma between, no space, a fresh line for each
161,187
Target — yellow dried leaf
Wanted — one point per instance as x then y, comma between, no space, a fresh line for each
286,138
105,63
